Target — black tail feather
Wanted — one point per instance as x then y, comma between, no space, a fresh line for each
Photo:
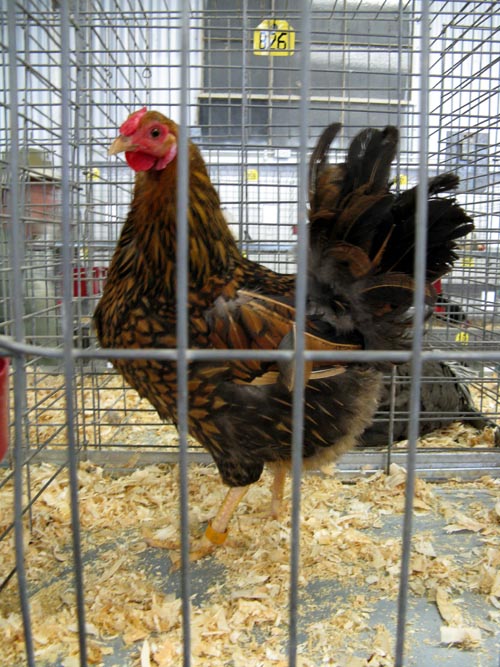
362,236
319,159
369,159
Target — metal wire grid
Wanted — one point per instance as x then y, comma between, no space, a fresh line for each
71,74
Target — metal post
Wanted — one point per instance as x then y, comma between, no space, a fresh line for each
182,328
418,333
67,327
300,318
16,228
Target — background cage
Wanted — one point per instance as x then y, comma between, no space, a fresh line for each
71,73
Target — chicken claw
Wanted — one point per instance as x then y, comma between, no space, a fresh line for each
215,534
200,548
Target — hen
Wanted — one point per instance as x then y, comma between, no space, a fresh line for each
444,398
360,290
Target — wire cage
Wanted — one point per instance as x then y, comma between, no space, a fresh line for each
399,549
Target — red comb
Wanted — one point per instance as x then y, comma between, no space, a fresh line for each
132,123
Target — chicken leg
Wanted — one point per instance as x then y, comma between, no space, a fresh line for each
277,489
217,529
215,533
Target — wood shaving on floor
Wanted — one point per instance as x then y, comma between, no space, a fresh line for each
239,613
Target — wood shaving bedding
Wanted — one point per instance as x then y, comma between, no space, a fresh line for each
239,610
249,601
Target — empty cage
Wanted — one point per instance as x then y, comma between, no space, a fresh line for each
391,558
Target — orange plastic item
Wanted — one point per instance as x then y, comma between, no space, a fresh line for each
214,536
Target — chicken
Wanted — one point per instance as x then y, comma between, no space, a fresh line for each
360,287
444,398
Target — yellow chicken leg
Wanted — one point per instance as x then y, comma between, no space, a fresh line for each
215,533
217,529
277,490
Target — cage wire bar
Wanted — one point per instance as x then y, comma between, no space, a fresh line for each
18,376
300,346
67,328
417,341
182,332
71,73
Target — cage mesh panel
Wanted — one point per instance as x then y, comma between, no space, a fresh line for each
364,70
243,110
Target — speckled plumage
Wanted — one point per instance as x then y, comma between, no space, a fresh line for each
240,411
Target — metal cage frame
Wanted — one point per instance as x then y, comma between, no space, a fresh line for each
87,30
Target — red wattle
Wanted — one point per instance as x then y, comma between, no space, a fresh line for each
139,161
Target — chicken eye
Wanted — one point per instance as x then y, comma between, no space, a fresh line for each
155,132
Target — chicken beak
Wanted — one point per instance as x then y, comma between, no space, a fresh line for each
121,144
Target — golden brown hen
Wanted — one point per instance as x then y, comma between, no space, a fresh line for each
360,290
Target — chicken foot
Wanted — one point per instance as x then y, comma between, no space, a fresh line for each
217,530
215,533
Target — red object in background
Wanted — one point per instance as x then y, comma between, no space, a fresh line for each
4,406
81,282
439,290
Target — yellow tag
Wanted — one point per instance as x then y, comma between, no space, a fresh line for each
468,261
252,175
462,337
403,179
274,38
